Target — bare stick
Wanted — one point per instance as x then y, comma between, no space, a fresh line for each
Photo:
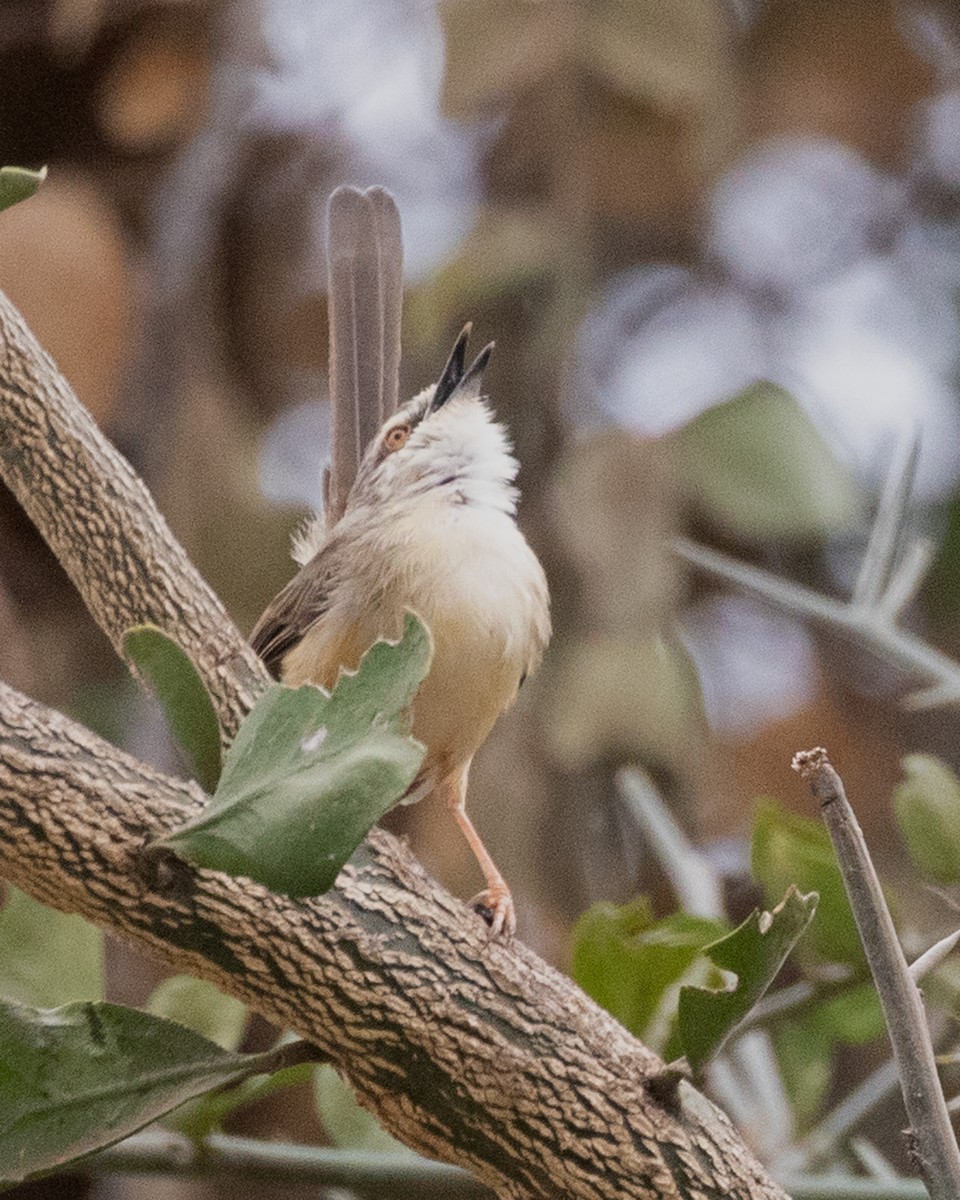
820,1144
872,1161
933,1145
471,1052
694,880
884,587
906,579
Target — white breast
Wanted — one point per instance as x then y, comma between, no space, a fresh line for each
468,572
482,592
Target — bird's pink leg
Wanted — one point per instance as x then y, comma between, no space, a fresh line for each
494,903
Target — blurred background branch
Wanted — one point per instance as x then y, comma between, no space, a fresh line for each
366,1173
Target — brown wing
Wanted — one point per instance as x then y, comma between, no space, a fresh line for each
293,610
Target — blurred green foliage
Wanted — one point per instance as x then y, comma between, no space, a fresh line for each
345,1122
757,467
47,958
201,1007
927,807
639,966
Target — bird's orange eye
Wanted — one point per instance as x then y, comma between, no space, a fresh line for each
396,438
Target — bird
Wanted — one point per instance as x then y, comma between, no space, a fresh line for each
419,516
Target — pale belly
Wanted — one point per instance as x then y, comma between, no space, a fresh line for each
481,592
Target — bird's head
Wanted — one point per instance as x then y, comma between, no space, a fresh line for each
443,442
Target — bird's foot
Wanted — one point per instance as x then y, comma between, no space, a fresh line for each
495,905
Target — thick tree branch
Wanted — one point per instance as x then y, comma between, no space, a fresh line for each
470,1051
103,525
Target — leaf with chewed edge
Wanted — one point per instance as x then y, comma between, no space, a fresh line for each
755,952
791,849
311,771
632,964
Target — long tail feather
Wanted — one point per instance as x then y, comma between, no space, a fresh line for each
390,246
365,256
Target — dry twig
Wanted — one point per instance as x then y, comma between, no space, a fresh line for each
933,1146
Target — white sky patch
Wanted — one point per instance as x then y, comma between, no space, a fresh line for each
296,449
664,347
865,393
370,76
756,665
829,284
940,137
795,211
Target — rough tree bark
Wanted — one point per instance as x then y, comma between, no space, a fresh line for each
473,1052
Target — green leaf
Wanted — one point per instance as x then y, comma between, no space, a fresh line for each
345,1122
310,772
755,952
18,183
81,1077
806,1044
789,849
179,689
805,1058
631,964
927,807
201,1007
758,466
852,1017
47,957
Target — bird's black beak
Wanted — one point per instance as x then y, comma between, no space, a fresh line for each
454,378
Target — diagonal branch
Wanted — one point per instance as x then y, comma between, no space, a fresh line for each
887,582
471,1052
937,673
468,1050
103,525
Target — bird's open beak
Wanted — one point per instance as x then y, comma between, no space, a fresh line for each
454,378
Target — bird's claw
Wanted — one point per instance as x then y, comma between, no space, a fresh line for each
495,906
